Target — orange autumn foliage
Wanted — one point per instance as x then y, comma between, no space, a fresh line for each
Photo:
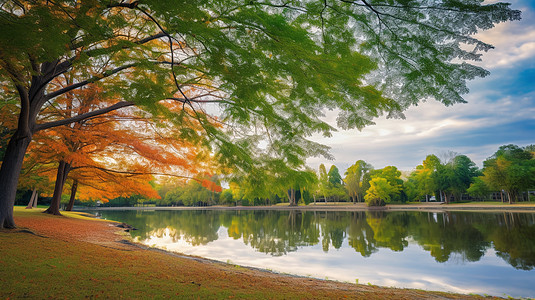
212,186
117,154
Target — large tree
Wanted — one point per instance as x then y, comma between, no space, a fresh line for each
272,66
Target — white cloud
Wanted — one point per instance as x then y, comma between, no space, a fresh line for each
514,41
405,143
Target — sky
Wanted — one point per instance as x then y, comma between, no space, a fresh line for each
500,110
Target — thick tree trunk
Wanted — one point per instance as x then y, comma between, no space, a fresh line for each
63,171
74,188
9,176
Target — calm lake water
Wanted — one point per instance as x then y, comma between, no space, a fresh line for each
466,252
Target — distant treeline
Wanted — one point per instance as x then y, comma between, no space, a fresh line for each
507,176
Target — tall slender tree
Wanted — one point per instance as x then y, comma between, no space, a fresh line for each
354,177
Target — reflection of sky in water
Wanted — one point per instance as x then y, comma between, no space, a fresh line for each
413,267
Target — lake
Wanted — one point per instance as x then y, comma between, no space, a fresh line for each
465,252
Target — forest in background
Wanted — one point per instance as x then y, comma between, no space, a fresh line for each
507,176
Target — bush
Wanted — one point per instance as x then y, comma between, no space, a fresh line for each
375,202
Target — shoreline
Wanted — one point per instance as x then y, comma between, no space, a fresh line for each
105,248
430,207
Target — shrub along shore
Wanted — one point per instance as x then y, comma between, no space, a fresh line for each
75,256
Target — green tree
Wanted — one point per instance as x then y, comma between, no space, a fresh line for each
271,67
511,170
423,179
354,178
295,183
226,197
380,192
479,189
323,183
334,176
466,171
333,187
395,184
455,176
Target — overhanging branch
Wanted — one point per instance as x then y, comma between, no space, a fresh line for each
136,173
83,116
90,80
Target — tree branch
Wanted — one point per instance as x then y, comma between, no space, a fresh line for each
81,117
25,105
131,5
135,173
170,38
90,80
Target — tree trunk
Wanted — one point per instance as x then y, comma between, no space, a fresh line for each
35,199
30,204
63,171
291,197
74,188
9,175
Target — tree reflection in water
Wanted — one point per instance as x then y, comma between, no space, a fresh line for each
466,235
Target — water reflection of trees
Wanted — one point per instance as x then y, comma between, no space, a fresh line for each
514,240
272,232
196,227
443,234
464,235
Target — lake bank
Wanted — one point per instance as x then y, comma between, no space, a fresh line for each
87,258
429,206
